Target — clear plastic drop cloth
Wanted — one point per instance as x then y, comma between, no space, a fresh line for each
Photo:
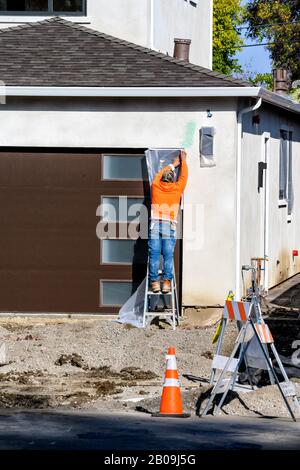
132,311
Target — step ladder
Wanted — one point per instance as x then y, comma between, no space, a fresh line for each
159,305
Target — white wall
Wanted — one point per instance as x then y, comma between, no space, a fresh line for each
208,263
150,23
283,236
126,19
185,20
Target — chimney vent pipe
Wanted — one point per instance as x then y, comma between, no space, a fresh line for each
280,81
182,49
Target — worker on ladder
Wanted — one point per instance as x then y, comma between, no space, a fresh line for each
166,195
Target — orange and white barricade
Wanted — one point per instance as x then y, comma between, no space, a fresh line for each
251,324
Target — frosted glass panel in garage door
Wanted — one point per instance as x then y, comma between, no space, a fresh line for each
123,251
115,292
117,209
124,167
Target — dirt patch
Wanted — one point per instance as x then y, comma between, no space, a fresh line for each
207,354
30,338
125,374
75,400
12,327
129,373
74,359
16,400
107,388
23,388
21,377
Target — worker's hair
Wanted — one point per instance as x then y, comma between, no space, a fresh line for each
168,176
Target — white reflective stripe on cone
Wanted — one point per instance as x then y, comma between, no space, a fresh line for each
171,383
171,363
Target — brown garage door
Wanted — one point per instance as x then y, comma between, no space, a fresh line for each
51,259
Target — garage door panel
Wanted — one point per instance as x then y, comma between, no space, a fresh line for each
45,291
47,208
50,169
49,248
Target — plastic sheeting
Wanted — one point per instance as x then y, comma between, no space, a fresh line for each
132,311
157,159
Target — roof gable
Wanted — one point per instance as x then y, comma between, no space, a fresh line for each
56,52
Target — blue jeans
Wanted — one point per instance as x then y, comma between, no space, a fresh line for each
162,240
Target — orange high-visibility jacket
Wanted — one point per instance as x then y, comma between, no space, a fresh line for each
166,196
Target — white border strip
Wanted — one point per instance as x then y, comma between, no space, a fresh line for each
130,91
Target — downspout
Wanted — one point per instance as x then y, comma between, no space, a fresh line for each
238,194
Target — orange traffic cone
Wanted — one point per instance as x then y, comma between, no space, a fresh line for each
171,404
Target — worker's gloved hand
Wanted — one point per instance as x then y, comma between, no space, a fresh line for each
179,159
183,155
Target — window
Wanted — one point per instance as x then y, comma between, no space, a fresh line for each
123,251
124,167
23,5
123,209
49,7
68,6
286,193
115,293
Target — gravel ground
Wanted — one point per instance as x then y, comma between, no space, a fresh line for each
103,365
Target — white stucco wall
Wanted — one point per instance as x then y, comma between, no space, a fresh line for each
150,23
126,19
185,20
208,261
283,236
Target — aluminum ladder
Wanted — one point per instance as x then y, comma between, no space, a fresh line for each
151,303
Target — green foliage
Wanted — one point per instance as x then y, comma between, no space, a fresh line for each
295,95
227,16
265,18
262,79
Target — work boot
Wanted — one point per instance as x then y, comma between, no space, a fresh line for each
155,287
166,288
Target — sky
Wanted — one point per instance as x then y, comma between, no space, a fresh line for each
254,59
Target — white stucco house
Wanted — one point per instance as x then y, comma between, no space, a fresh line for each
150,23
77,112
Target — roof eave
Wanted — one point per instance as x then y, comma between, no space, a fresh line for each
279,101
167,92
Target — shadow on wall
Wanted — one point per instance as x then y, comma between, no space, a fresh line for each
283,267
140,255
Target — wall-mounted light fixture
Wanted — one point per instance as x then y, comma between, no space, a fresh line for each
256,119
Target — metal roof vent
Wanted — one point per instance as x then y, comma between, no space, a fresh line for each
280,81
182,49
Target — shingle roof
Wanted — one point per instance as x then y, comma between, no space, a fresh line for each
56,52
